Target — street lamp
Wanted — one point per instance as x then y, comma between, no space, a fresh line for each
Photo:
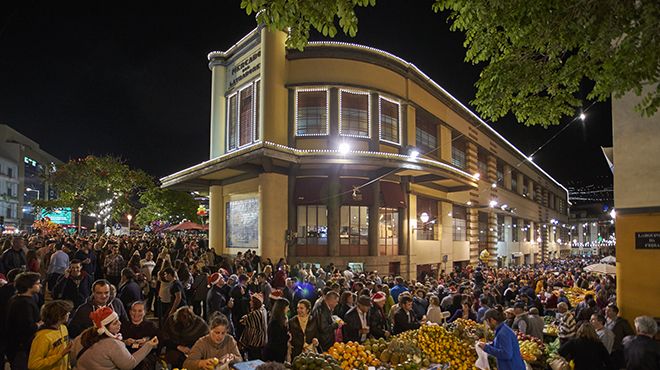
79,216
35,190
130,217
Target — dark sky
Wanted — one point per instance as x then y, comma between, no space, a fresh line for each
131,79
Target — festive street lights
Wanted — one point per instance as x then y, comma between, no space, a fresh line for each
130,217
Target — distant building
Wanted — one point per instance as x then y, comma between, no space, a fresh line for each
22,164
591,229
347,154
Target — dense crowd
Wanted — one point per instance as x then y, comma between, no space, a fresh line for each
149,302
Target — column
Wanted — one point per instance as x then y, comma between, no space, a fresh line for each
445,143
218,110
273,217
334,209
521,178
472,159
273,103
374,219
404,218
530,190
473,234
216,219
492,238
492,170
544,241
374,143
292,219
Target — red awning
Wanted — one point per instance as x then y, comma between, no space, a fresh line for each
392,194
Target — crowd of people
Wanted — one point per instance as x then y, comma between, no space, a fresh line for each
146,302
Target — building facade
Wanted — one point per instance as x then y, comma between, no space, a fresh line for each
22,165
347,154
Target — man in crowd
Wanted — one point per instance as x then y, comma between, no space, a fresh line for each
325,325
357,319
113,264
14,257
87,258
75,285
216,299
641,351
621,329
404,319
265,289
59,262
521,322
240,296
22,319
397,289
567,326
535,323
604,334
80,320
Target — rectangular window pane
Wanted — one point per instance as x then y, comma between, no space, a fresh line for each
232,119
459,151
312,113
426,133
312,225
427,215
389,121
459,223
246,125
345,227
514,181
354,114
257,91
500,228
515,232
388,227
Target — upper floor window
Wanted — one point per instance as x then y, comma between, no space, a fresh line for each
354,113
500,171
389,120
459,152
482,163
311,112
426,132
514,181
427,215
459,223
242,116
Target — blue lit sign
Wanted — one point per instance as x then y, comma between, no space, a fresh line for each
60,216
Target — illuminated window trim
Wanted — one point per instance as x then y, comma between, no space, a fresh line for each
380,118
327,111
357,92
255,124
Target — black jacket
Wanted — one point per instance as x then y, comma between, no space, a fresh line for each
298,338
22,318
404,322
66,288
325,326
129,293
80,320
641,353
352,325
378,323
587,354
278,341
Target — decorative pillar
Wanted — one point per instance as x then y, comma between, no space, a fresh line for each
273,215
292,219
216,219
492,238
445,143
473,234
374,219
334,209
405,232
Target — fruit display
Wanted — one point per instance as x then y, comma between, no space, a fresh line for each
311,360
530,350
352,355
551,329
442,347
470,330
403,352
376,346
576,295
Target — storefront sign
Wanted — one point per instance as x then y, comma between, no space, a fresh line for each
244,68
62,216
647,240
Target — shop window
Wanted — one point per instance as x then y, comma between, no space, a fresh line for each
459,223
427,216
311,112
354,115
389,120
354,225
515,230
388,228
500,228
10,172
242,117
312,225
426,132
527,231
459,152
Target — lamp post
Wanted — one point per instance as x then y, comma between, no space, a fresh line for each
79,219
35,190
130,217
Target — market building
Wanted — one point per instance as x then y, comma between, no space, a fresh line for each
22,165
348,154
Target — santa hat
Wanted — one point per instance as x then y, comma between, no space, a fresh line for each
214,278
101,318
378,297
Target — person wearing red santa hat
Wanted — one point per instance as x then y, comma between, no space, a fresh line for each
379,325
101,348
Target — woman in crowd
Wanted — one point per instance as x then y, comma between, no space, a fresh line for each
301,329
33,264
180,332
278,332
379,325
434,313
465,312
217,345
50,346
420,303
254,334
100,347
346,302
586,350
137,331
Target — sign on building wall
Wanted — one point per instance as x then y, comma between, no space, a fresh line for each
647,240
244,67
243,223
60,216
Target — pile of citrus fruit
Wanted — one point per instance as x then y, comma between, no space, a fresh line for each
310,360
441,346
352,355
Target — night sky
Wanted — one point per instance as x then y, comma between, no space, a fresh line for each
131,79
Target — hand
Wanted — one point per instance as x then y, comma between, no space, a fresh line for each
154,341
209,363
129,341
184,349
364,331
482,345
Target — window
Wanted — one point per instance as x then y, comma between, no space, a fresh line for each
500,228
458,151
10,172
515,232
354,228
8,212
514,181
354,115
524,187
389,120
527,229
483,227
311,112
427,215
500,171
426,133
312,225
482,164
459,223
388,227
242,116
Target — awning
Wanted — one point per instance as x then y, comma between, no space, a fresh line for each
392,195
311,190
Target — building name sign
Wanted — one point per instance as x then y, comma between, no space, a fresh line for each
30,161
647,240
244,68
